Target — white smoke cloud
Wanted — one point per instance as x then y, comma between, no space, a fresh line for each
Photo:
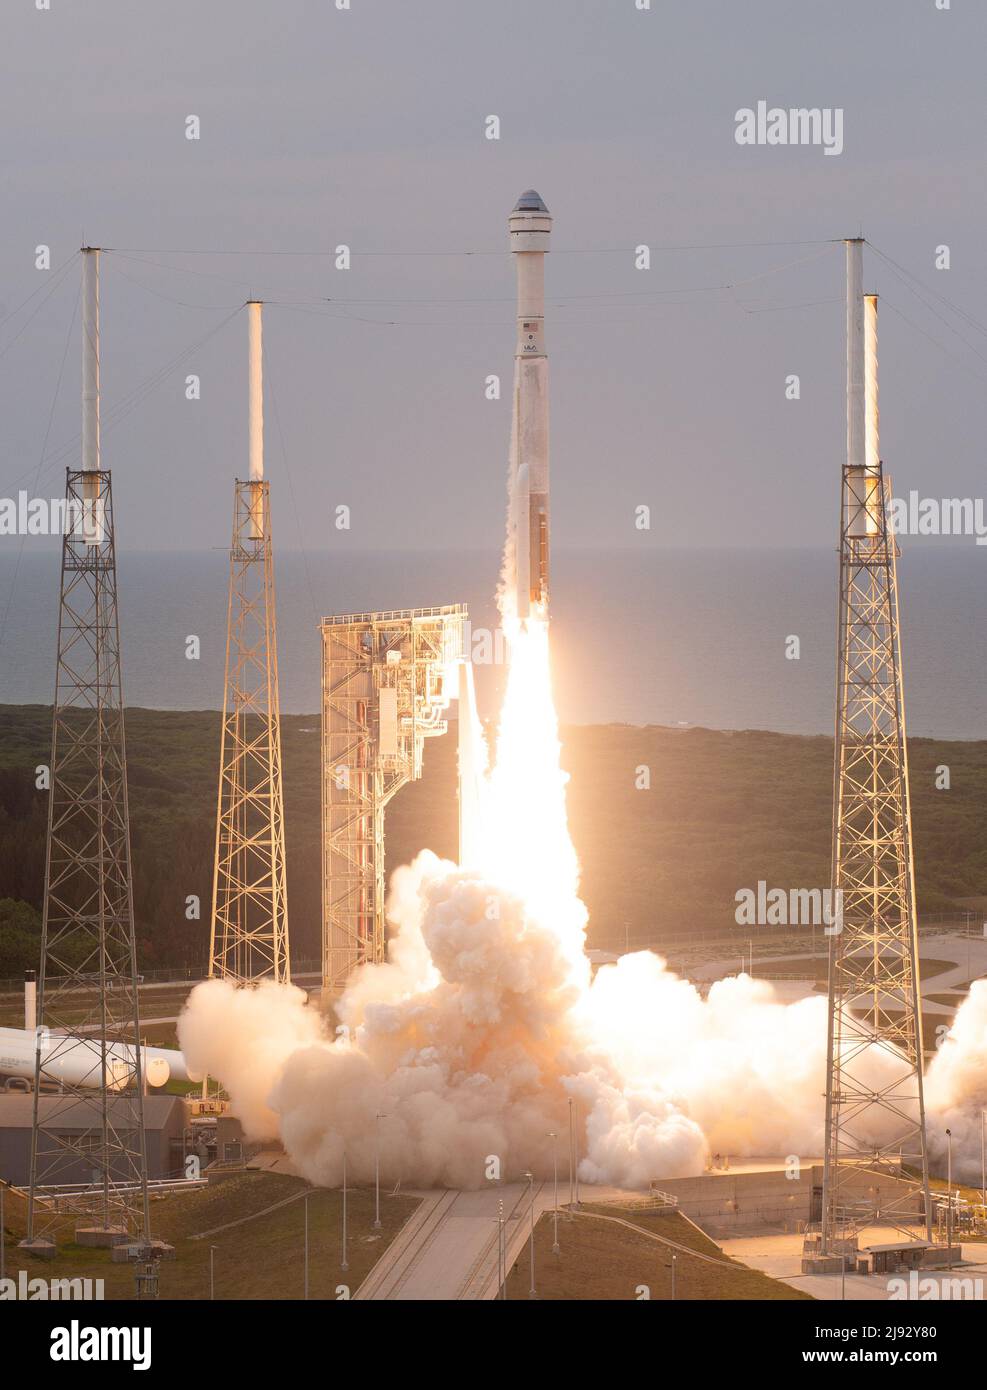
246,1035
956,1087
474,1036
471,1040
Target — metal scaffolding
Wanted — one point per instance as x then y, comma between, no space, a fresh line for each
87,999
876,1164
87,984
249,922
387,679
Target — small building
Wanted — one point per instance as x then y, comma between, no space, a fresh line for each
899,1256
79,1124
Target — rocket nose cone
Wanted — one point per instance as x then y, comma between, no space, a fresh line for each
530,202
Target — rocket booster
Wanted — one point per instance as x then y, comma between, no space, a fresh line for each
531,226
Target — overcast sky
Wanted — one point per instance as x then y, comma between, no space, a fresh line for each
366,127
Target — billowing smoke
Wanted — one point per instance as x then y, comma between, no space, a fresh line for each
956,1087
471,1041
247,1034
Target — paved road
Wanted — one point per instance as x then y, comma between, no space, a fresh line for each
448,1249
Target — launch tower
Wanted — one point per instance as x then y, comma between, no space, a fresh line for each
249,921
876,1166
387,681
88,1156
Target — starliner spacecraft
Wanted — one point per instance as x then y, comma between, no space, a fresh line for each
531,226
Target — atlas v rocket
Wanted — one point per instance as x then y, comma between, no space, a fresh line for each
531,226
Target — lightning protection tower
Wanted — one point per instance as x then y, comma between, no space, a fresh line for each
88,1156
249,922
876,1166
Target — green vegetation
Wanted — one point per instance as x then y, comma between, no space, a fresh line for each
20,931
259,1251
723,811
728,809
602,1259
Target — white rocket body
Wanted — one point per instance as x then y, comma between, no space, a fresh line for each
530,225
78,1062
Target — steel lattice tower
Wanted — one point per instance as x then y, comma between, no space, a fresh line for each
249,923
387,680
87,985
876,1165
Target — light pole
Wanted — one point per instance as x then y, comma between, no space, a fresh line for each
501,1290
949,1197
377,1119
3,1240
573,1161
212,1274
307,1195
674,1259
983,1164
555,1180
572,1149
344,1264
531,1193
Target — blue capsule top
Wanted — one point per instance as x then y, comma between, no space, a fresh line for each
530,202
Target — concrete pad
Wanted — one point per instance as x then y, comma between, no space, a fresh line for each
780,1256
101,1237
40,1248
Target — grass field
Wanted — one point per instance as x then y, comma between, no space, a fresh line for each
259,1257
600,1259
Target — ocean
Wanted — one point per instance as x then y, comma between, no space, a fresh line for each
648,637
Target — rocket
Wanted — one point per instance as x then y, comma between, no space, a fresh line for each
530,225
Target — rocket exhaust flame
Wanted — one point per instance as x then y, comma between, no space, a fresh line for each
484,1021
